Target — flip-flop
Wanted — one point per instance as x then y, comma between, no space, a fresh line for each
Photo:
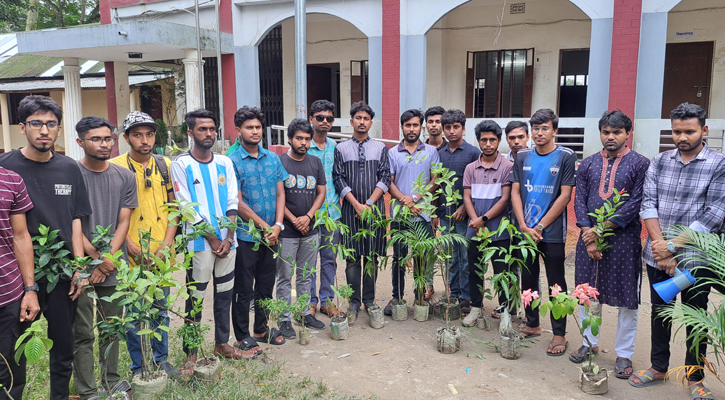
646,377
620,366
555,345
246,346
581,355
527,335
700,392
271,336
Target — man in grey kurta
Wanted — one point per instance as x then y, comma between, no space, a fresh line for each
361,175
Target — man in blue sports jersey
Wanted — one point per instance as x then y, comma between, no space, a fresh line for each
543,178
203,177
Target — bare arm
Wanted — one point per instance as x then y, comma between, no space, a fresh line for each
77,289
23,247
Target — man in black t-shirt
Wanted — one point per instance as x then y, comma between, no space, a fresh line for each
305,192
56,187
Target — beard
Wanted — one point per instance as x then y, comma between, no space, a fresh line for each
42,148
203,145
413,139
99,157
300,151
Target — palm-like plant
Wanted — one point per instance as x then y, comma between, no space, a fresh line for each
706,325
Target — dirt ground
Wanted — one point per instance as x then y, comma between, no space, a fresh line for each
408,366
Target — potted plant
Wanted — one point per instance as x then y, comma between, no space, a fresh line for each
448,337
298,309
593,379
603,230
379,224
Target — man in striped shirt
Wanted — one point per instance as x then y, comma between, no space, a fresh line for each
207,178
18,290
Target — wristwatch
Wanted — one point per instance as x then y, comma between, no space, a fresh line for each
369,202
415,198
230,240
281,225
540,227
484,218
671,247
34,287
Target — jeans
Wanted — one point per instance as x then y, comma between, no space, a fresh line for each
303,253
458,268
84,332
399,253
328,268
160,348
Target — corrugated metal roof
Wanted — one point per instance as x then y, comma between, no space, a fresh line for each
26,66
86,83
8,46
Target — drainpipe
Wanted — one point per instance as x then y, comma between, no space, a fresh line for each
219,75
301,58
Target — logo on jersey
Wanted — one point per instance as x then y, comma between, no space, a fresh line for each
554,170
529,186
222,180
196,182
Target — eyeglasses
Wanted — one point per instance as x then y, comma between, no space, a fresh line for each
38,125
321,118
98,140
361,153
543,129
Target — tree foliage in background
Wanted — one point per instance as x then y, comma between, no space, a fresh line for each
21,15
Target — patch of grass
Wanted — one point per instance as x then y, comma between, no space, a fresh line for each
241,380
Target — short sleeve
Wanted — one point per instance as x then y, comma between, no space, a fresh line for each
435,158
281,172
468,176
130,199
321,178
169,184
82,202
506,168
21,202
568,177
517,169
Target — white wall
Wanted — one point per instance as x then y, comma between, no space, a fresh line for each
547,25
329,40
704,17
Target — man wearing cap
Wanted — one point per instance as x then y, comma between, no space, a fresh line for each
154,189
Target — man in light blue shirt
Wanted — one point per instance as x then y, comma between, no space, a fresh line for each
409,161
322,147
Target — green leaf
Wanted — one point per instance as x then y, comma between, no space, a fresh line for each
34,349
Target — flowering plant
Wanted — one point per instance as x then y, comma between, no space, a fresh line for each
562,304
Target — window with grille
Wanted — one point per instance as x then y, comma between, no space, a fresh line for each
499,84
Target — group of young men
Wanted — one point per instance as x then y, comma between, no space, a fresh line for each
283,195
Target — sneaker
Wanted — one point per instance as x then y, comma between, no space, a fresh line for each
353,309
312,322
389,308
286,330
170,370
470,319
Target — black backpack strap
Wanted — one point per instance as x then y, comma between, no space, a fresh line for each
163,169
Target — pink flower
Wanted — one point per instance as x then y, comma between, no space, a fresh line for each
555,290
585,293
528,296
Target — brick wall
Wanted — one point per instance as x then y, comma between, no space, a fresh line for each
391,69
625,53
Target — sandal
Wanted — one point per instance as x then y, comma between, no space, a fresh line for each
700,392
270,337
465,308
247,347
646,377
526,334
621,366
582,355
187,369
553,345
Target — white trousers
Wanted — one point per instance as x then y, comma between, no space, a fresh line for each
626,332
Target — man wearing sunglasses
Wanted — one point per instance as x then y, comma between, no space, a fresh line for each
112,193
322,147
56,187
154,189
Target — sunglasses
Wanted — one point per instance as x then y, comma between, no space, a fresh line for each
148,172
321,118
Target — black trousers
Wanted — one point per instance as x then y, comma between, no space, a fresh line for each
354,273
662,330
10,323
254,276
400,252
475,282
59,311
553,255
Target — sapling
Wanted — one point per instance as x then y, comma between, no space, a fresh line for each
52,261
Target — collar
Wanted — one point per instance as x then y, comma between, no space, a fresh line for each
354,139
621,154
494,166
401,147
327,143
445,142
461,147
702,155
243,152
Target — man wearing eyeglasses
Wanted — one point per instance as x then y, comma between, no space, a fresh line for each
56,187
542,182
112,192
362,176
154,189
322,147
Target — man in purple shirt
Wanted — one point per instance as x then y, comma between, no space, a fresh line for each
409,160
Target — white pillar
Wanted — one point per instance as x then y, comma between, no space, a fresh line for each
72,106
123,101
5,116
134,99
191,80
